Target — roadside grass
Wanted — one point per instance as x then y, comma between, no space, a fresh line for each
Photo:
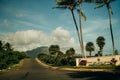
98,67
110,67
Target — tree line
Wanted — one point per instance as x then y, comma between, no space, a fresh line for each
8,56
100,41
57,57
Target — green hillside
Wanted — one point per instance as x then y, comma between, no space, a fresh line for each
40,50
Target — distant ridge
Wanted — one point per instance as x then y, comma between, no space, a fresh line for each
39,50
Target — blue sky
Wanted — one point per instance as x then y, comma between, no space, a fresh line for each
28,24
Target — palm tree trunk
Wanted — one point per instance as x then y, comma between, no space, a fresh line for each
101,51
110,21
76,28
81,35
90,53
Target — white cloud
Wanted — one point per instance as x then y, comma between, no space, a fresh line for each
23,40
62,37
29,39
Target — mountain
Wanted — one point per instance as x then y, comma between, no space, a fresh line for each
39,50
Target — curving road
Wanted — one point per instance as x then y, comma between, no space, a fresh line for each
31,70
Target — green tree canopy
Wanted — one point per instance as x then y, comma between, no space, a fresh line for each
109,9
70,52
54,49
100,41
90,47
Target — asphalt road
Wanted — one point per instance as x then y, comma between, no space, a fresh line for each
31,70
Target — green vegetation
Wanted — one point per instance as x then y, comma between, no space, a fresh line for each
8,57
100,42
57,61
58,58
98,67
73,5
90,47
54,49
109,9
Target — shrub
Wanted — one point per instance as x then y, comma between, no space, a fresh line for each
71,61
3,65
57,61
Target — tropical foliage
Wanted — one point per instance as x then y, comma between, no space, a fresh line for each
72,5
90,47
70,52
109,9
54,50
100,41
59,59
9,57
77,5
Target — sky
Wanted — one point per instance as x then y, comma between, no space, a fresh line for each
28,24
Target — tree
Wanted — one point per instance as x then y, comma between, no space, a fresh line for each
71,5
100,42
109,9
81,14
70,52
90,47
8,47
116,52
54,49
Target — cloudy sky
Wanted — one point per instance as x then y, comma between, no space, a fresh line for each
28,24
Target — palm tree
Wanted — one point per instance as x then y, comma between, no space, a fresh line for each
54,49
107,3
100,42
8,47
70,52
71,5
81,14
90,47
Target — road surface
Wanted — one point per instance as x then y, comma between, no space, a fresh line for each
31,70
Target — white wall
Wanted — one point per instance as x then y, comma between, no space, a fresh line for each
99,60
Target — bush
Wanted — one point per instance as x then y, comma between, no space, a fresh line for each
8,56
71,61
3,65
57,61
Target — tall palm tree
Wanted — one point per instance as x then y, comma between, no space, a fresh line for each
109,9
81,14
71,5
90,47
100,42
